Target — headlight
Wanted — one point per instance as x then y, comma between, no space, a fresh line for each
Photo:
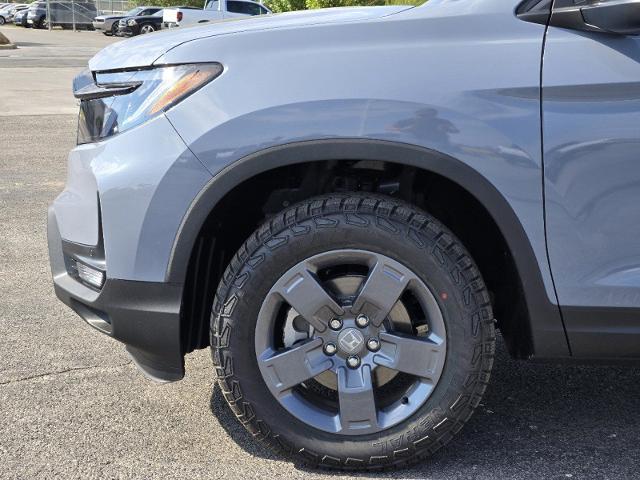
112,102
131,22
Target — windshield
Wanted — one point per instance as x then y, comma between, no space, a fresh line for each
211,5
133,12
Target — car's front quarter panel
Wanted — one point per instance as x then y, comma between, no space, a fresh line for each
109,21
121,208
460,78
144,180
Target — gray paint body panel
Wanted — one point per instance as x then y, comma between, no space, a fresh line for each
145,178
591,91
466,89
459,78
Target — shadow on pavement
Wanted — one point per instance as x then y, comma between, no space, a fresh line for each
30,44
536,421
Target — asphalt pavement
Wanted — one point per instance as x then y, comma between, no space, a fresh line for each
73,406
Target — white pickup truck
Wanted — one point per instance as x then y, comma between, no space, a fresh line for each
214,10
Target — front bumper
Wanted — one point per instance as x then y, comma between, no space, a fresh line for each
127,31
122,206
33,19
143,315
99,25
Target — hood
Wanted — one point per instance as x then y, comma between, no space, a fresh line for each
142,51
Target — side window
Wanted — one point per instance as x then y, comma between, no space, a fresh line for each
252,9
234,7
244,7
263,11
212,5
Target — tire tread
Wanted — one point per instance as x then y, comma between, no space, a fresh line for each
391,211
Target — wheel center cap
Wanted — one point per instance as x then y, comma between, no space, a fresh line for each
350,341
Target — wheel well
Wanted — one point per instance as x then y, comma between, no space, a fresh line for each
250,203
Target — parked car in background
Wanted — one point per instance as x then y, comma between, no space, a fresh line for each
20,18
214,10
37,14
108,24
8,12
63,14
140,24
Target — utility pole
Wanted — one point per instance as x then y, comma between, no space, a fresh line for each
48,15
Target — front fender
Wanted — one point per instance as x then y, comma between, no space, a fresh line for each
547,329
494,132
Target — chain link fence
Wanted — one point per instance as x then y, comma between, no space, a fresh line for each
77,14
67,14
113,6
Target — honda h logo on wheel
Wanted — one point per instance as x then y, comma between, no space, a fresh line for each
350,341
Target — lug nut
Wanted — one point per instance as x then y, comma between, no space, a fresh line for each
335,324
373,344
353,361
362,320
330,349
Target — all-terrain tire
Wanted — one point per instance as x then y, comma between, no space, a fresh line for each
391,228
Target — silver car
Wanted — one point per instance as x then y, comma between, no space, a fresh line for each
8,12
108,24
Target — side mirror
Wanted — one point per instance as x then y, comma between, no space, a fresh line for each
620,17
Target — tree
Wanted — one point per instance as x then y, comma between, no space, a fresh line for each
278,6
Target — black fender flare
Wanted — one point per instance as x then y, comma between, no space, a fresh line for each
545,321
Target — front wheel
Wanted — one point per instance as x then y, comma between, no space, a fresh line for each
2,20
147,29
353,331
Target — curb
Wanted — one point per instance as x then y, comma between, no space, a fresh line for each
5,43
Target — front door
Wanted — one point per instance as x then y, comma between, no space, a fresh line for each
591,134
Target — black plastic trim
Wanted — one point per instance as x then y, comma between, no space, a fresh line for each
92,255
535,11
143,315
603,332
614,17
549,339
90,92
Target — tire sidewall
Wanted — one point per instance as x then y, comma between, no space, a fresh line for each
426,252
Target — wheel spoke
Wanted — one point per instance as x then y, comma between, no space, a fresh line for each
302,290
417,356
381,290
357,403
294,366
